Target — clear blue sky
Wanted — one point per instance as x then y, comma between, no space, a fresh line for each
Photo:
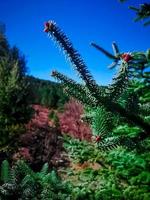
102,21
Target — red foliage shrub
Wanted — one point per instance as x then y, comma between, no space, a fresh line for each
40,117
71,123
41,143
23,153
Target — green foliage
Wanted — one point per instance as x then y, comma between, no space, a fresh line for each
137,67
142,12
51,115
122,174
5,171
77,150
14,105
133,168
9,135
82,151
71,88
15,109
126,130
4,50
26,184
54,118
107,99
102,121
46,93
119,117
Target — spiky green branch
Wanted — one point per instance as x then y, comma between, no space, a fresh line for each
75,59
119,83
137,63
143,12
75,89
96,92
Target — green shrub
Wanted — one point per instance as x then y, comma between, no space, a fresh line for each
15,109
23,183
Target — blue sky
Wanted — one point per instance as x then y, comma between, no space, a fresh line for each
83,21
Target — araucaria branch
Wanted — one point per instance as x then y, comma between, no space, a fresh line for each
91,92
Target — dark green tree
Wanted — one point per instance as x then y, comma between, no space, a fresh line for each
46,93
4,46
15,108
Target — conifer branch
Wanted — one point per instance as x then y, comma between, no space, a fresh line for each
75,90
115,57
143,12
95,90
119,83
75,58
109,55
114,142
132,119
115,49
109,143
